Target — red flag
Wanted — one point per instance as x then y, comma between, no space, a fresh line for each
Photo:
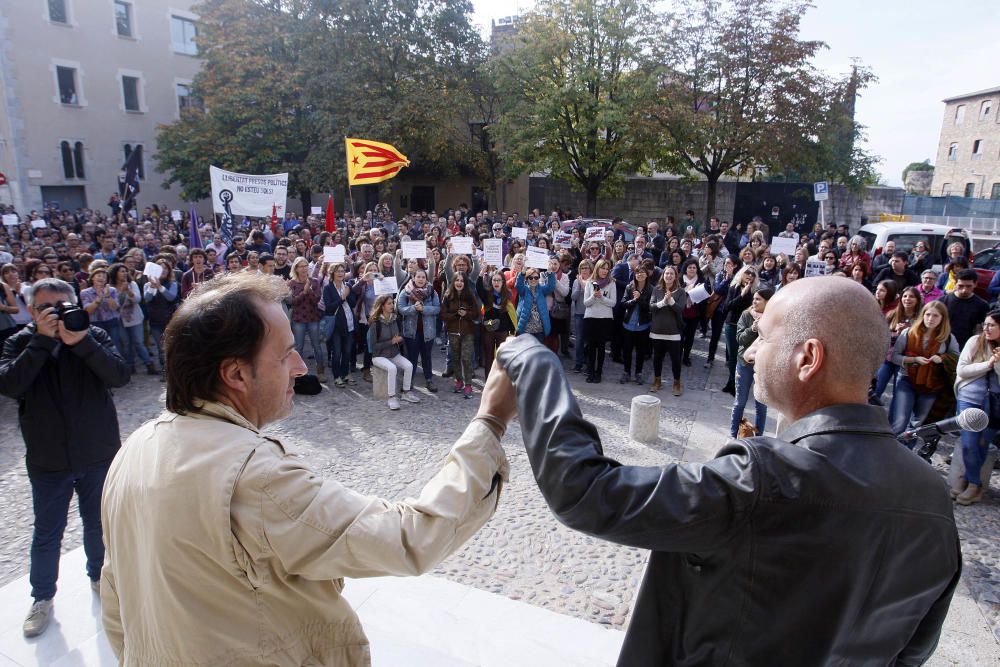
274,219
331,220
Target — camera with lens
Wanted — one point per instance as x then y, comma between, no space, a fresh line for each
73,317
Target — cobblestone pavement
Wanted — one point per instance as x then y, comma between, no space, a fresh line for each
523,552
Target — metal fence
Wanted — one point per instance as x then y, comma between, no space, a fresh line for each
951,207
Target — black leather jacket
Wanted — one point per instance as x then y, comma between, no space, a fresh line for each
835,546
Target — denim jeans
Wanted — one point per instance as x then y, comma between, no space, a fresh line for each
112,327
156,338
731,351
51,494
908,409
886,373
975,446
311,329
130,342
744,386
339,345
424,350
579,349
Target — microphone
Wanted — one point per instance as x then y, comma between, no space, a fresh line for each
970,419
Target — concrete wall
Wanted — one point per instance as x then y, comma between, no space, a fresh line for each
952,176
919,182
643,199
36,119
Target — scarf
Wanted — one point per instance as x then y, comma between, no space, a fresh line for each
497,299
926,379
603,283
419,293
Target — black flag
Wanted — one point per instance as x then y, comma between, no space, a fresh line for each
128,186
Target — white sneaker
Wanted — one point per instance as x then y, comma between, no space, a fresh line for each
38,618
410,397
393,403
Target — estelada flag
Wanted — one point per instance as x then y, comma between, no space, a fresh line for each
372,162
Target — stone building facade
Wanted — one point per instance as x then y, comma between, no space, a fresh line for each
82,83
968,156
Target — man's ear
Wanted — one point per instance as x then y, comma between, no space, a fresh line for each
234,374
810,360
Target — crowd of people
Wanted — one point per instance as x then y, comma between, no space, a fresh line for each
639,294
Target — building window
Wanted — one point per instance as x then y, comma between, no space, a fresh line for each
123,18
66,78
959,114
57,11
182,35
130,91
970,190
995,192
977,149
185,100
953,151
72,159
127,149
946,189
984,109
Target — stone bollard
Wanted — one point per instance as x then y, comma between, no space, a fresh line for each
644,420
380,382
957,469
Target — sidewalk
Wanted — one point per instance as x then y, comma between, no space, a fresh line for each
416,622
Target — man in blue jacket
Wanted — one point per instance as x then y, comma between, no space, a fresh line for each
61,380
831,545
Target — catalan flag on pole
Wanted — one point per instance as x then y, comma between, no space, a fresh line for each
372,162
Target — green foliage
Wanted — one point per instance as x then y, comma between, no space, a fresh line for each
575,87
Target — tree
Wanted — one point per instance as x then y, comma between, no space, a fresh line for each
738,90
575,87
251,116
917,166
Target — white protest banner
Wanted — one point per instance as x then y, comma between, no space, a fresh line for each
698,294
563,240
333,254
315,210
414,249
39,224
815,268
176,216
493,252
594,234
781,246
10,220
537,258
519,233
153,270
386,285
248,194
461,245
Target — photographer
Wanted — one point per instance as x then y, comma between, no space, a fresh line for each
61,379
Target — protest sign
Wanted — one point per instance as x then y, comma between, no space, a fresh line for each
815,268
153,270
698,294
594,234
414,249
39,224
315,210
563,240
461,245
386,285
537,258
519,233
333,254
10,220
782,246
493,252
176,216
247,194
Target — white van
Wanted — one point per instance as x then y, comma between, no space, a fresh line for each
906,235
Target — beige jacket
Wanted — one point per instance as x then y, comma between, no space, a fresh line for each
223,548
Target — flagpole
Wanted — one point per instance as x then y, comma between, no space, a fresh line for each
350,191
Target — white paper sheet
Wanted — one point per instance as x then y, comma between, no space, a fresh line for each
333,254
493,252
537,258
386,285
414,249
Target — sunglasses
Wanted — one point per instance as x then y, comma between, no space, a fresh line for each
532,278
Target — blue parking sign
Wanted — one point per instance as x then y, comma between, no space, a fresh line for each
821,191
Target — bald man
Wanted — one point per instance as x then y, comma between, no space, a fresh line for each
832,545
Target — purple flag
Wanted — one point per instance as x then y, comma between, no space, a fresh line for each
195,240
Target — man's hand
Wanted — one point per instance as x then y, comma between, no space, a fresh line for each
48,323
499,399
68,337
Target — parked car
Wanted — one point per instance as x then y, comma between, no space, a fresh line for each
986,263
906,235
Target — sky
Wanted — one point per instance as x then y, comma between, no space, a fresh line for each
922,51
